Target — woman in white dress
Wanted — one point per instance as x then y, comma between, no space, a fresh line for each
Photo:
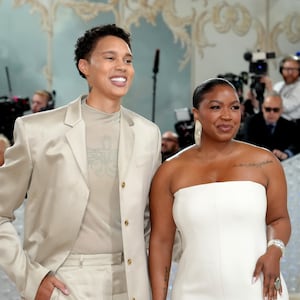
228,200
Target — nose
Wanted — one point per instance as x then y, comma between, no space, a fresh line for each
226,114
120,64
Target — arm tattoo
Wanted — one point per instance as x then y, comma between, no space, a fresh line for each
254,164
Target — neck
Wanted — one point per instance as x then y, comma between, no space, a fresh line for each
215,149
107,106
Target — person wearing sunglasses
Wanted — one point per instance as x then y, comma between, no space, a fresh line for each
288,88
270,130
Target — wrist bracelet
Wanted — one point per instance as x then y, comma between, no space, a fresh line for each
277,243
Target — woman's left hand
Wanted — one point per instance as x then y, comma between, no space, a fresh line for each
269,265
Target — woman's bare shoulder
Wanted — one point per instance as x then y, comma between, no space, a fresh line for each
175,162
182,153
253,149
253,154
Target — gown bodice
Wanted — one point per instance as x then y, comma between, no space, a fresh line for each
223,231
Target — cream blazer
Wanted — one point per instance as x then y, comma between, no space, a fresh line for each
48,162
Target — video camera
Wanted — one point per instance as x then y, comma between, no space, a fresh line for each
237,81
10,109
258,66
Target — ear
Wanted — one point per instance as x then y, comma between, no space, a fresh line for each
195,113
83,66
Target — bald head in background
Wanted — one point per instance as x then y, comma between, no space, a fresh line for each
169,144
272,107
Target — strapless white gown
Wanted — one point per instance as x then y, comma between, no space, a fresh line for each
223,232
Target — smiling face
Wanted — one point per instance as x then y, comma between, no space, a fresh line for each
109,70
290,71
219,113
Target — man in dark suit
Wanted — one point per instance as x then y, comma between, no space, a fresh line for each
268,129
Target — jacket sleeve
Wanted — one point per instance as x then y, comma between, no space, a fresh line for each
155,164
15,178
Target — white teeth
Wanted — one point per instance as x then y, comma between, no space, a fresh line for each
119,79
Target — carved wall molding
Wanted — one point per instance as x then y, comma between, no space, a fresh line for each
189,27
289,27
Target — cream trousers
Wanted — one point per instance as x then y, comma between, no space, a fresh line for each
93,277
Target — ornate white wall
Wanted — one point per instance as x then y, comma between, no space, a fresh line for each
198,39
199,25
226,30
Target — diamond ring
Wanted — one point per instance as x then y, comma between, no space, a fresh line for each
277,283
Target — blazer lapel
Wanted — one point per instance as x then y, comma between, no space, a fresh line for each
76,135
126,143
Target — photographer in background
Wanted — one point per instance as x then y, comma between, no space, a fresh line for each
10,109
41,100
268,129
184,127
169,144
288,88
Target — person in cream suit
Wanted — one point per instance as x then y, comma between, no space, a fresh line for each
86,169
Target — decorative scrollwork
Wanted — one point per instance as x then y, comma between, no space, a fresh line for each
188,28
226,17
90,10
290,28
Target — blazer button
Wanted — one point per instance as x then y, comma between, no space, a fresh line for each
123,184
129,261
126,222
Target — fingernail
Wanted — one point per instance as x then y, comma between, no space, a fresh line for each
254,279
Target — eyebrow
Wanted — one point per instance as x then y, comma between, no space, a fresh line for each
114,52
221,102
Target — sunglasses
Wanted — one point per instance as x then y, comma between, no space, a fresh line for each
274,109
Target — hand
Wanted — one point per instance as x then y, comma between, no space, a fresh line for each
268,82
252,97
269,265
279,154
48,284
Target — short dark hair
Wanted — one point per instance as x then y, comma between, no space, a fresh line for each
86,43
206,87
